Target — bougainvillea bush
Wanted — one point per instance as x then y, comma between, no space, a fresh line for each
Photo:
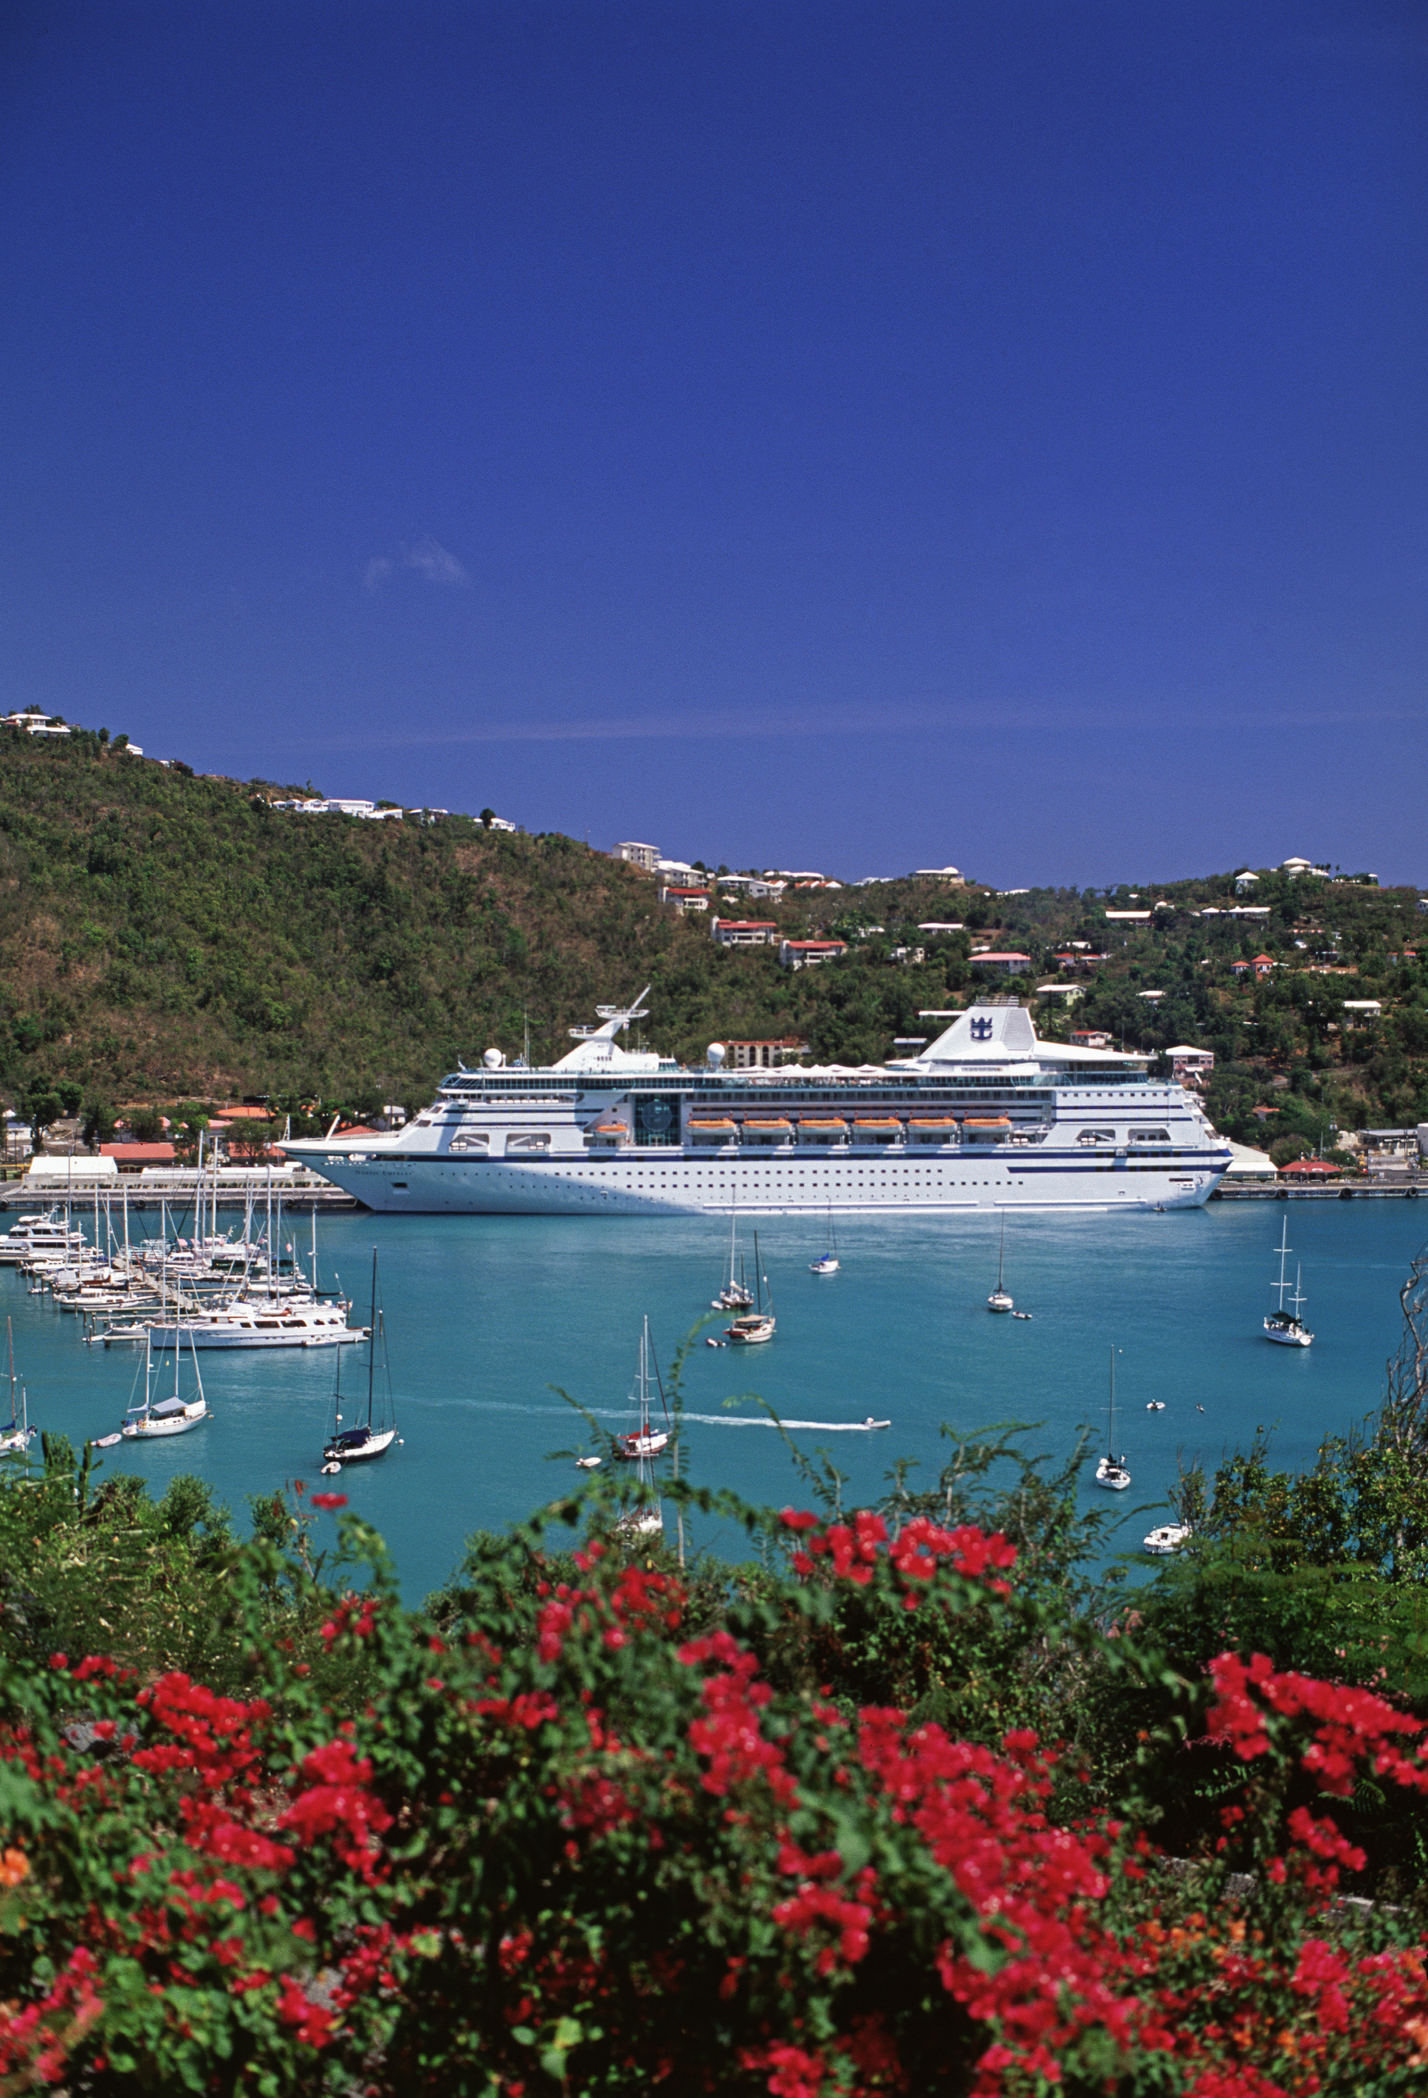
580,1835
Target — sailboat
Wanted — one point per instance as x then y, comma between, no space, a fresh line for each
174,1415
646,1440
1001,1299
17,1437
1287,1327
370,1438
758,1324
643,1445
827,1261
736,1294
1111,1471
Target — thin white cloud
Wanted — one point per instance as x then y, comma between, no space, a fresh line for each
434,562
427,558
688,724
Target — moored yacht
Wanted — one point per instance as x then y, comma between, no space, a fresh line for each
987,1117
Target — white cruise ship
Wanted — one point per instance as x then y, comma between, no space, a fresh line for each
987,1117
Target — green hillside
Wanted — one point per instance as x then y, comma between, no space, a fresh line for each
165,936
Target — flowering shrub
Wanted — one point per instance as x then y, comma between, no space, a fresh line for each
571,1839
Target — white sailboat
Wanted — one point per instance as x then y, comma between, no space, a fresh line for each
17,1437
643,1445
756,1325
827,1261
736,1294
372,1437
1287,1327
1111,1471
646,1440
1001,1299
174,1415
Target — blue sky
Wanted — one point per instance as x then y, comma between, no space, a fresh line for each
849,436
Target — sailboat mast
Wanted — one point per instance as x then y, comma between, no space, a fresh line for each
1111,1430
372,1342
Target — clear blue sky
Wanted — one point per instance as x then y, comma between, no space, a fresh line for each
849,436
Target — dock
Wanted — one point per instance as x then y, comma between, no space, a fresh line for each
1326,1191
178,1188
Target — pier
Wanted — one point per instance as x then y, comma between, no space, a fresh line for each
1326,1191
178,1187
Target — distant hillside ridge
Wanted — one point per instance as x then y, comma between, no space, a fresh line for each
168,936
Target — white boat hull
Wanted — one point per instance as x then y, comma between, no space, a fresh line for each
376,1445
175,1424
671,1181
1295,1336
252,1337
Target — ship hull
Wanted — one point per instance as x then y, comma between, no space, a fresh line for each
653,1183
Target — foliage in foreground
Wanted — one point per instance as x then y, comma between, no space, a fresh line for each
584,1833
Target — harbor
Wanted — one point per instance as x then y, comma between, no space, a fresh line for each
491,1320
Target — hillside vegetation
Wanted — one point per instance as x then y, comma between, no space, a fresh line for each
165,936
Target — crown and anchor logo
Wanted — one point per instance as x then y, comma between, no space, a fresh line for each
982,1030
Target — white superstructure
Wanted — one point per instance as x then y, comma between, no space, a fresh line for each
987,1117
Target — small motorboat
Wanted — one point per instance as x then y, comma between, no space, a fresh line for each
1168,1538
1155,1405
588,1464
871,1423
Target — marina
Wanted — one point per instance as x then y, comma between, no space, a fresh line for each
490,1319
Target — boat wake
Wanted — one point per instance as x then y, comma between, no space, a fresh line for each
745,1420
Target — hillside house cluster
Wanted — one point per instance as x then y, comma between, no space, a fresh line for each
33,723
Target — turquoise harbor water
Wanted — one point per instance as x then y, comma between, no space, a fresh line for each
486,1313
